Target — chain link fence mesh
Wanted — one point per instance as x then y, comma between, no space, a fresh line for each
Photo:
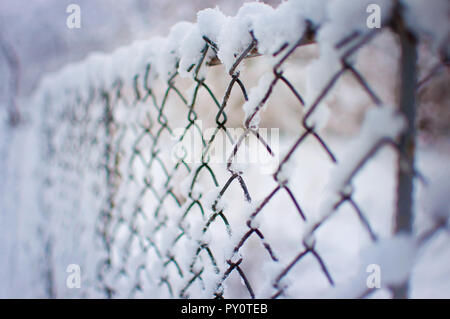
162,225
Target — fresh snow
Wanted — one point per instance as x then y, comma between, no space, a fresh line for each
70,232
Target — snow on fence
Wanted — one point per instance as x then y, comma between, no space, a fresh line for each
144,221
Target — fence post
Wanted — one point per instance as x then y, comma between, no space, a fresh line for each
405,177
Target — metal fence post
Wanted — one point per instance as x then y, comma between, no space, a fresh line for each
408,78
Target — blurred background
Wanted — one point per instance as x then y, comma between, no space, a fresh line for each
35,38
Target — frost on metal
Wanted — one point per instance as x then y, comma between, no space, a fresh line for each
151,224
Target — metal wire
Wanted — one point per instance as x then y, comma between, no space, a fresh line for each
131,153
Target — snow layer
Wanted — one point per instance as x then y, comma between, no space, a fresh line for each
271,27
430,19
182,49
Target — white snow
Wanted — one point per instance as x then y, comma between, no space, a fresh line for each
76,189
274,28
210,23
255,97
435,199
190,51
395,256
379,123
430,20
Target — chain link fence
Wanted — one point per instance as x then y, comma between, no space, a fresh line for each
157,224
